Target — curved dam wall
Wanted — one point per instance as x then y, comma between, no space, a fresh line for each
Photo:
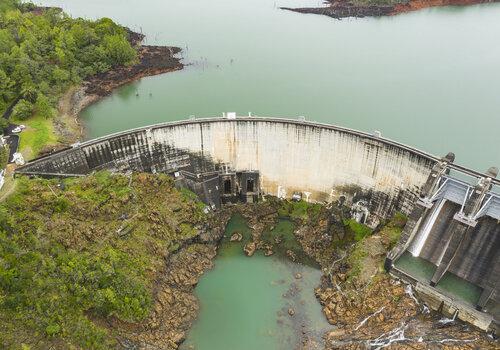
323,162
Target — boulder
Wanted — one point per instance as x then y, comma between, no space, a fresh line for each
250,248
236,237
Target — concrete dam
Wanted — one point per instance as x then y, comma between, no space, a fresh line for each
453,231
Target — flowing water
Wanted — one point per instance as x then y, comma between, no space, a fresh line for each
429,78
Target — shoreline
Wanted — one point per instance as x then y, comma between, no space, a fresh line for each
339,9
152,60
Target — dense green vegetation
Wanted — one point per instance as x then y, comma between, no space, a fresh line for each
366,245
358,230
391,231
42,53
79,251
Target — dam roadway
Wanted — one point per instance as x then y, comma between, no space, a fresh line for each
240,158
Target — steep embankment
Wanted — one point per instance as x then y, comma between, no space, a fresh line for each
101,262
345,8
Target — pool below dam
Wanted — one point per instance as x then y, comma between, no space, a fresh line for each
245,301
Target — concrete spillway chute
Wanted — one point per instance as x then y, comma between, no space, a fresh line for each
427,197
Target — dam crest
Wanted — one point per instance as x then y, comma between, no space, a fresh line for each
454,212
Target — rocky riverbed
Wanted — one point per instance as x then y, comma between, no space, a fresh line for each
175,306
367,308
372,310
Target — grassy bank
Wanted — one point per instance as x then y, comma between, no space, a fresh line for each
39,133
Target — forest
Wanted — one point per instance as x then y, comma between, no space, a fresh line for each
43,51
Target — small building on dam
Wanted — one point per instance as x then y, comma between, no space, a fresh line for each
449,249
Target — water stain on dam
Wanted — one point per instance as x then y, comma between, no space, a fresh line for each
245,300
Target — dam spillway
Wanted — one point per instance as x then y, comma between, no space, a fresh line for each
454,228
453,224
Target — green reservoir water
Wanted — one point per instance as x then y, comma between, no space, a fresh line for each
245,300
430,78
450,284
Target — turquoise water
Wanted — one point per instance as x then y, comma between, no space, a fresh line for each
429,78
245,300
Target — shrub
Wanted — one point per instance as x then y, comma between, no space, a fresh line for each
360,231
4,156
43,107
23,110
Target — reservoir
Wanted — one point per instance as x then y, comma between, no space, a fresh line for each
429,79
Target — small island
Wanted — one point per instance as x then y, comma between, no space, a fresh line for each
375,8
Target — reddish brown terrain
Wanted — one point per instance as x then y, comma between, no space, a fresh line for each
414,5
345,8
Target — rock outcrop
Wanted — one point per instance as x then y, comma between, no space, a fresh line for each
175,306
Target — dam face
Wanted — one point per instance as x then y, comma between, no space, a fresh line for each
322,162
453,225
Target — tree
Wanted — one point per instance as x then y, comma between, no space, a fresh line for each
3,124
23,110
60,76
6,86
118,50
43,107
6,41
42,54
